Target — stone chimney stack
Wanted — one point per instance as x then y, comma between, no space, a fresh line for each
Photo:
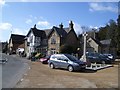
35,26
61,26
71,25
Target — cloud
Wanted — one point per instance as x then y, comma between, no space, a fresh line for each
101,7
28,21
43,24
5,31
93,27
2,2
19,31
77,28
5,26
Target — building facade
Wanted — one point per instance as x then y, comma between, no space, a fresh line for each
16,41
59,36
36,41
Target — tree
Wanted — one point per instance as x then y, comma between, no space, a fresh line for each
68,49
118,35
112,32
102,34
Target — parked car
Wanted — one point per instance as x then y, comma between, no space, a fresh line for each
66,61
44,60
98,58
3,60
110,56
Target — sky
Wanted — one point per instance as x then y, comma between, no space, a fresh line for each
19,17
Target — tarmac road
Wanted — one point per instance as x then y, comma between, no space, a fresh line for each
13,70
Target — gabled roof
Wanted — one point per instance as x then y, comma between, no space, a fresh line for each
17,38
60,32
37,32
67,30
72,30
47,31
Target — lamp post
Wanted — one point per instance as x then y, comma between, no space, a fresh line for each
83,58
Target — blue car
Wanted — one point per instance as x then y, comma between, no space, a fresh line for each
98,58
66,61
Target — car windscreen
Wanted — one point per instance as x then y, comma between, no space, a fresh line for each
72,58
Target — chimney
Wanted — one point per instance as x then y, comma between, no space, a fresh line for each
61,26
71,25
35,26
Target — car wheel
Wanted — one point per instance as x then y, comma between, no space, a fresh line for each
52,66
70,68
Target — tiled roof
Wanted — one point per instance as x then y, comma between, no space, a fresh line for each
67,30
60,32
17,38
47,31
37,32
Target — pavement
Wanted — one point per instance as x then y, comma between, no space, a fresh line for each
41,76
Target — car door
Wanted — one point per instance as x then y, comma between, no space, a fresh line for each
63,62
57,62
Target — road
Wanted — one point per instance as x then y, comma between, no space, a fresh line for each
13,70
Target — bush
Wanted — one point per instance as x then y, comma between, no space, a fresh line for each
38,55
33,54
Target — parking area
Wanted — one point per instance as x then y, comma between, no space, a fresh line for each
41,76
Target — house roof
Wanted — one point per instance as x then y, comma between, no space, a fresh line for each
96,41
67,30
17,38
37,32
47,31
60,32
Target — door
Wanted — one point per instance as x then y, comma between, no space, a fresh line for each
63,62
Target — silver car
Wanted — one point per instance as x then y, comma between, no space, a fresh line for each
66,61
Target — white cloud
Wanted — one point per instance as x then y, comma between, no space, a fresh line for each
19,31
5,31
93,27
5,26
101,7
2,2
43,24
77,28
28,21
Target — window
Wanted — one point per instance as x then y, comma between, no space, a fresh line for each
31,39
37,39
53,40
53,51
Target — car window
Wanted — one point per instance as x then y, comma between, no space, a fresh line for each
53,57
61,58
72,58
